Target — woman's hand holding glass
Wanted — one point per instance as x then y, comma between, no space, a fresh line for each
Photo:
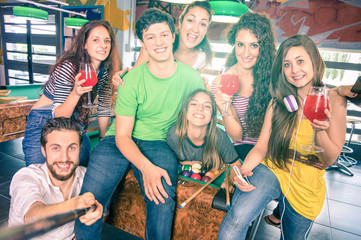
229,84
317,109
79,89
323,125
89,73
221,100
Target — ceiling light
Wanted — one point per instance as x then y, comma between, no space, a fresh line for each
178,1
51,7
227,11
30,13
75,22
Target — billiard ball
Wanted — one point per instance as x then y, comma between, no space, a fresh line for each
186,167
196,176
210,174
205,179
196,165
186,173
196,170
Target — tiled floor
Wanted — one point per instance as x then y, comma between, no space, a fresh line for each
340,217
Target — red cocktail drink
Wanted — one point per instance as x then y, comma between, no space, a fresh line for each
229,84
90,77
88,72
314,109
315,106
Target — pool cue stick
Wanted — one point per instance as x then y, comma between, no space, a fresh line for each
201,189
228,204
5,92
41,226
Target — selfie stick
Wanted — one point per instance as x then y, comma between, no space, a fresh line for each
41,226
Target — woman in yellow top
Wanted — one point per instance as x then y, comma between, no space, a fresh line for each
288,173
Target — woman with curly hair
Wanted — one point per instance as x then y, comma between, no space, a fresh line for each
64,94
251,60
278,167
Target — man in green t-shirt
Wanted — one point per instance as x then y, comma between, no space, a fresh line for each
147,105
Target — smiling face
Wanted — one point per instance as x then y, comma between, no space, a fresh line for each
297,67
158,41
194,27
62,154
199,110
98,45
247,49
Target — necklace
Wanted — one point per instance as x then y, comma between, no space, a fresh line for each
196,151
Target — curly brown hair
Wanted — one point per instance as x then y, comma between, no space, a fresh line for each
261,27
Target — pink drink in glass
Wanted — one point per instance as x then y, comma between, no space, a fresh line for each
90,77
315,106
229,84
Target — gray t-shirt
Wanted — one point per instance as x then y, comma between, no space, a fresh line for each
192,152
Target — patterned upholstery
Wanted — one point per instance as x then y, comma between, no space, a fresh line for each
197,220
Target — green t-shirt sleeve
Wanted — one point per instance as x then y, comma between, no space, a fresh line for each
126,103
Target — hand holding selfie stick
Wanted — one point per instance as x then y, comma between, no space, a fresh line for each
41,226
201,189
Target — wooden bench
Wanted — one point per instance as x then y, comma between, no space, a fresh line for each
197,220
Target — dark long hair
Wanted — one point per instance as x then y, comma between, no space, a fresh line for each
211,158
284,122
261,27
77,53
204,45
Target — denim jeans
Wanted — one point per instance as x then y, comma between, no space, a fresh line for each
31,142
246,206
107,167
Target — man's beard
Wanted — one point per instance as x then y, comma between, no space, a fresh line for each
62,177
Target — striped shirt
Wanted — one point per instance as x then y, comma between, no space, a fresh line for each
61,83
240,104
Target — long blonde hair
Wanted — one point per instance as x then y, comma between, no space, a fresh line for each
211,158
